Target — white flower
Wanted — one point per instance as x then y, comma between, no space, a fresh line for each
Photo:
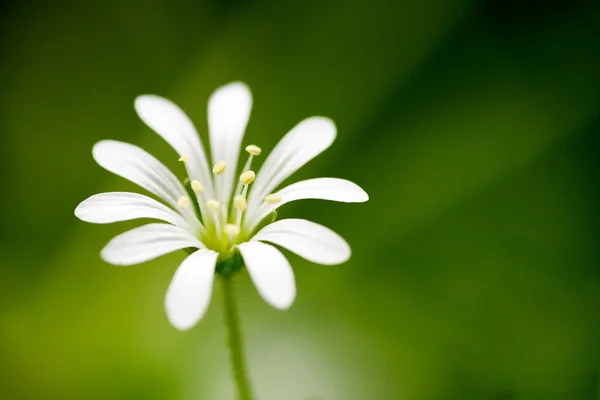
217,214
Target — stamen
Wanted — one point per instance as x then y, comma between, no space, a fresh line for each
240,203
253,149
184,158
183,202
247,177
219,167
273,198
197,186
231,230
213,205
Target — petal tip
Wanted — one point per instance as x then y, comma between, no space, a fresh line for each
284,307
364,197
321,127
347,257
110,254
326,124
236,85
105,256
104,147
283,304
236,95
235,88
344,256
181,326
140,99
360,195
79,211
144,100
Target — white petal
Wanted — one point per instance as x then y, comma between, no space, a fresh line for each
106,208
332,189
304,142
271,273
309,240
136,165
190,290
228,113
169,121
146,243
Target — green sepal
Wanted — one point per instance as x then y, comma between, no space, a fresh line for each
273,216
193,198
231,264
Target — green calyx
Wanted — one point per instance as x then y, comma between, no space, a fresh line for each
230,265
226,265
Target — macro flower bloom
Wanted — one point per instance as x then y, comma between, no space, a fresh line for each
218,216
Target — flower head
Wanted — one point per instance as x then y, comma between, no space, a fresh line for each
217,212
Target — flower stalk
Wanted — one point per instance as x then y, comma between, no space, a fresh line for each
234,338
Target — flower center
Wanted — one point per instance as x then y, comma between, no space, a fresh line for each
222,219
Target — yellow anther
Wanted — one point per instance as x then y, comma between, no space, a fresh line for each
219,167
273,198
231,230
247,177
213,205
197,186
184,158
240,203
254,150
183,202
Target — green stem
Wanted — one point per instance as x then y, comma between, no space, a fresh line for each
234,339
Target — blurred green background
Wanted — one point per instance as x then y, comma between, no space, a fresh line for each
473,125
